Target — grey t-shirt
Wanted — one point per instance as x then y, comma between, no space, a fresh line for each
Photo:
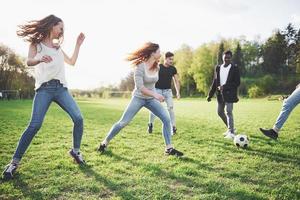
143,78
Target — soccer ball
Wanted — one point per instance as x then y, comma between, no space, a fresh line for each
241,141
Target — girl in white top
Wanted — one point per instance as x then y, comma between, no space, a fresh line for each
48,59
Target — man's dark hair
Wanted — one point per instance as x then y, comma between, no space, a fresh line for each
228,52
169,54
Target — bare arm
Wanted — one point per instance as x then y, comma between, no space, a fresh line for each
72,60
177,85
31,60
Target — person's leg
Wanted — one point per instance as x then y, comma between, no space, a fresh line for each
288,105
134,106
156,108
221,113
229,115
151,115
41,103
67,103
170,106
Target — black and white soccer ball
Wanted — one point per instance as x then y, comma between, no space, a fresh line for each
241,141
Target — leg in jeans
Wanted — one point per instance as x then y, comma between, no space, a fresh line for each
156,108
221,113
41,103
66,102
170,105
151,115
288,105
134,106
229,115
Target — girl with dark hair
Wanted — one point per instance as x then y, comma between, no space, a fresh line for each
145,61
45,54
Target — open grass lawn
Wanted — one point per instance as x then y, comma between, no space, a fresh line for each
135,167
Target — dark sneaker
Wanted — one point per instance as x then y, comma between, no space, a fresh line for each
269,133
150,128
102,148
9,171
173,152
174,130
77,157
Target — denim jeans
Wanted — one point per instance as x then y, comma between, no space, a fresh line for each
288,105
50,91
134,106
167,94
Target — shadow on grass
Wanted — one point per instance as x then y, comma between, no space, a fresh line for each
278,157
119,189
27,191
190,179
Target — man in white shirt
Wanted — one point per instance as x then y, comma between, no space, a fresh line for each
225,85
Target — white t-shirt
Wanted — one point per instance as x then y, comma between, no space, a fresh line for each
224,74
45,72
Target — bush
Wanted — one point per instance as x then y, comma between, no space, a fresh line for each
255,91
268,83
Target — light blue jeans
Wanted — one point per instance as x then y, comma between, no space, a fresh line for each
134,106
48,92
288,105
167,94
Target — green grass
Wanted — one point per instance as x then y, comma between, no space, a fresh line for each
135,167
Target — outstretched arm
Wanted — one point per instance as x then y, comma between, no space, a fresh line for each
72,60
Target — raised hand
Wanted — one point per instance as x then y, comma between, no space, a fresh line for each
80,39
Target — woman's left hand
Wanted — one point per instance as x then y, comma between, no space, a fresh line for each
80,39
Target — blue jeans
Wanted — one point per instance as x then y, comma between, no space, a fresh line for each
48,92
167,94
134,106
288,105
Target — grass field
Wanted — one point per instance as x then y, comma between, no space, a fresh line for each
135,167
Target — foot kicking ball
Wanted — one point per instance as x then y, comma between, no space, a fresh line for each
241,141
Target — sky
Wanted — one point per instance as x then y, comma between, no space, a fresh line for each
114,28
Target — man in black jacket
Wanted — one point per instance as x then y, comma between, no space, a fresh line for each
225,85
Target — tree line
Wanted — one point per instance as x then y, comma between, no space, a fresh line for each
269,67
16,80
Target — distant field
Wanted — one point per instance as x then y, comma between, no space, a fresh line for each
135,167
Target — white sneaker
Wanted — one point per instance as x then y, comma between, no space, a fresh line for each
230,136
224,134
228,131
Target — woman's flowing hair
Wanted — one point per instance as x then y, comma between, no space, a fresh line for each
143,54
37,30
